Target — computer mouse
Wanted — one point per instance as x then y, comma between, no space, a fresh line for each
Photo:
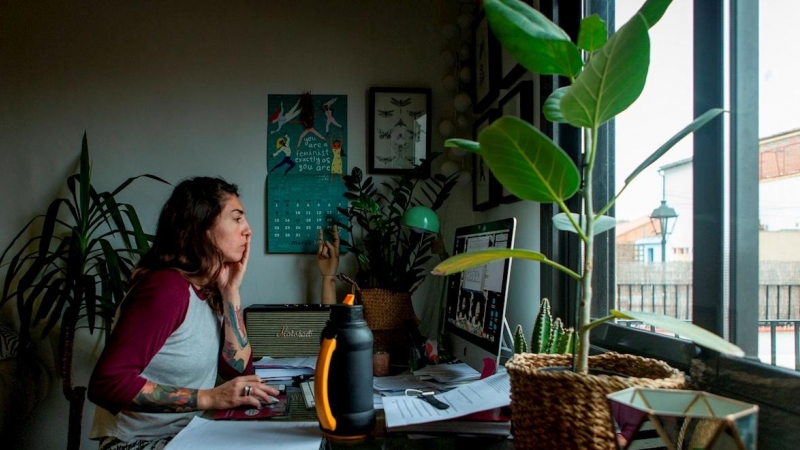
269,401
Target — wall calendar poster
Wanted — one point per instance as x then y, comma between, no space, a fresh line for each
306,160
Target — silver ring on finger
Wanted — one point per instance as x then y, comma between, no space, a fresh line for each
247,391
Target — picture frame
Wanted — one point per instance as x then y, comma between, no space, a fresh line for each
399,128
518,102
486,65
485,188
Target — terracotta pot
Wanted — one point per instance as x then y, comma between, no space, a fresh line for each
566,410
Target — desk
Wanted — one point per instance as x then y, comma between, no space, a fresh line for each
230,431
389,441
404,442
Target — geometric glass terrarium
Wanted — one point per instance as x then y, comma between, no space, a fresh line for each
679,419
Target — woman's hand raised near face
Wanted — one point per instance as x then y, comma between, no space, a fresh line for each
231,275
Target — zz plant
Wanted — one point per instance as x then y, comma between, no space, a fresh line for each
606,75
389,255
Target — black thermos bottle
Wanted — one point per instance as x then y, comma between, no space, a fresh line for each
343,376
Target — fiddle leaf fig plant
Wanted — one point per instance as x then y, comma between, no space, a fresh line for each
606,74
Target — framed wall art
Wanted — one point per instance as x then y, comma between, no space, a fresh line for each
517,102
485,188
399,121
306,161
486,67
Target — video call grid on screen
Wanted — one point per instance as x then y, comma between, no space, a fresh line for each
476,296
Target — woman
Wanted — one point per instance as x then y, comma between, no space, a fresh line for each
181,324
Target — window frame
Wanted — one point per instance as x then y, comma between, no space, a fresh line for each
731,224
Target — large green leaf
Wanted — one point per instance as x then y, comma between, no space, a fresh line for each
468,260
552,106
527,162
652,11
602,223
692,127
532,39
593,33
465,144
613,78
686,330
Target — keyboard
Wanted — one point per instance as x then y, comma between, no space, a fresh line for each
307,388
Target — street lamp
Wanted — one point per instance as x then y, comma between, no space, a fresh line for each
665,216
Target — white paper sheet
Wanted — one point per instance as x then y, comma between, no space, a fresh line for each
448,373
201,434
398,383
283,374
286,363
491,392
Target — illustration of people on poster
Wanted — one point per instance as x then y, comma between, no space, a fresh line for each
306,161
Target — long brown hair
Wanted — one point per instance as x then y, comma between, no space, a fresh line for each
183,242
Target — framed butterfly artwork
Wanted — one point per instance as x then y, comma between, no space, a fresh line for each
399,127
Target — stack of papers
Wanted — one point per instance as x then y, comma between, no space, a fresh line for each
488,393
448,373
279,369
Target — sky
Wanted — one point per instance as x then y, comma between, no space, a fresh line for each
665,105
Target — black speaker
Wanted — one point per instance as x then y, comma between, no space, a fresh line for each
282,331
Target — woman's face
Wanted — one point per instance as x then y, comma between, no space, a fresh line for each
231,233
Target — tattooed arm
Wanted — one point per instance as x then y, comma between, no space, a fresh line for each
236,351
160,398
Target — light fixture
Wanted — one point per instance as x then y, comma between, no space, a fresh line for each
663,218
421,219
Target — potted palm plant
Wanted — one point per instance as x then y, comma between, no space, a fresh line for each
391,257
606,74
73,270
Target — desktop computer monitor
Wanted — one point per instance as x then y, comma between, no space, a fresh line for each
474,318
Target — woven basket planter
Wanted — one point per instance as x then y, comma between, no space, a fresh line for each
566,410
385,309
385,312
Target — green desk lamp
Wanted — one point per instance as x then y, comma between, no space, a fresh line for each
421,219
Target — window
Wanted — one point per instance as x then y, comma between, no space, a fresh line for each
778,175
669,87
720,253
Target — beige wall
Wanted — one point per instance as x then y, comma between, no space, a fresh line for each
180,88
778,245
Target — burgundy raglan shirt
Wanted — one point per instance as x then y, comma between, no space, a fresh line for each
152,310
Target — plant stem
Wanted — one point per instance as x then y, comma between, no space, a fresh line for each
587,219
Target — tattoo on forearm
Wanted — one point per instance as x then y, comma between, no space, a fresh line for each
237,324
158,398
229,354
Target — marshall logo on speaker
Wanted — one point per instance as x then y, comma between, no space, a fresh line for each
287,333
285,330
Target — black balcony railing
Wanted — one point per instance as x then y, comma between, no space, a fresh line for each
778,321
